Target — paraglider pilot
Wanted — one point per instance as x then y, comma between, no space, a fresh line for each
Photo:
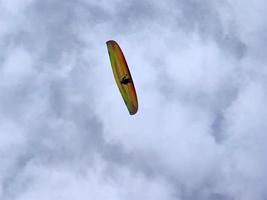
125,80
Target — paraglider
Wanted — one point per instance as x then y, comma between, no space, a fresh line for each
122,76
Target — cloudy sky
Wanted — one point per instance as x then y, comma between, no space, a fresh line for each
200,71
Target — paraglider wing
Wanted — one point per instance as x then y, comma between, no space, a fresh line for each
122,76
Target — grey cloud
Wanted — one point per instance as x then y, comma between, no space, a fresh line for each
205,18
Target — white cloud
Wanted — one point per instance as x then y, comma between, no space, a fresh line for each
199,71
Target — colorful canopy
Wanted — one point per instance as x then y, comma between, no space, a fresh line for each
122,76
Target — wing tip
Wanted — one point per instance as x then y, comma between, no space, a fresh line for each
110,42
133,112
